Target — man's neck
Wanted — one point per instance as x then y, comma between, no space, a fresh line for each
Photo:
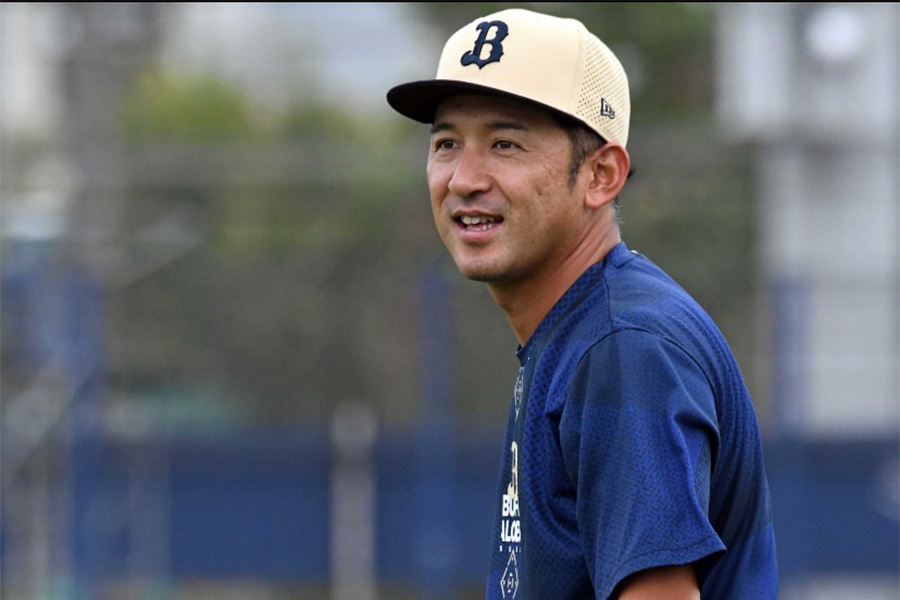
526,303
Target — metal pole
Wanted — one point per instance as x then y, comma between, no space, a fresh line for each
353,432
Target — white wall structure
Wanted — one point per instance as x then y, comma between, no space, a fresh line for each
814,87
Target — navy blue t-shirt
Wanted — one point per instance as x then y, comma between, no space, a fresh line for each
632,443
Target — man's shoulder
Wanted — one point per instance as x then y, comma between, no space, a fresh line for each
633,301
629,295
640,295
627,291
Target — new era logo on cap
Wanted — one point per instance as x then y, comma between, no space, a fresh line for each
606,110
554,62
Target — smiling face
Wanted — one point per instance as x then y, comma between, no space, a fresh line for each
499,180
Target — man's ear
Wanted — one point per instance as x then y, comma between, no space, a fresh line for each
609,166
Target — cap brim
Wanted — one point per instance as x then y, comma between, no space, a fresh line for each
419,100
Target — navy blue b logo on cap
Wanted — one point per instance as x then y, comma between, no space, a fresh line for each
473,57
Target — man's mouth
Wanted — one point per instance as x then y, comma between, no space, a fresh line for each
478,223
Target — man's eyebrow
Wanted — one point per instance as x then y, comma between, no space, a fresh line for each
514,125
442,126
494,126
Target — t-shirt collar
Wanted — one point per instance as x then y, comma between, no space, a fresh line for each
618,256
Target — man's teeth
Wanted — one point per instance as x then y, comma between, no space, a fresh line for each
478,220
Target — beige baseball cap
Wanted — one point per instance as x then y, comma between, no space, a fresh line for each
551,61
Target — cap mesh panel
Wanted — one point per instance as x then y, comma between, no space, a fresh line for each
603,79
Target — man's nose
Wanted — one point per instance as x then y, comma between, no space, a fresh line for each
470,175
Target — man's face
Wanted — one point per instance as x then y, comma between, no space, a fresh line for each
498,176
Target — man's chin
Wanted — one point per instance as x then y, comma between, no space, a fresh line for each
481,273
475,272
483,267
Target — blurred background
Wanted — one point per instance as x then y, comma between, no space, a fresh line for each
237,362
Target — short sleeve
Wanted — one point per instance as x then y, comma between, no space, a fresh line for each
638,434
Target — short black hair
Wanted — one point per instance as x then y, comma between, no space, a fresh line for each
584,140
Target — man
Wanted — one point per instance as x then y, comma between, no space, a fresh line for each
632,466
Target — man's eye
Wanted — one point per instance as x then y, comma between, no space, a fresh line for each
444,144
504,145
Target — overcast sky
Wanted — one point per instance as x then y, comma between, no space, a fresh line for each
349,53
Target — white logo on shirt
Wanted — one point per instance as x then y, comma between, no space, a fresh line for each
517,394
510,528
509,582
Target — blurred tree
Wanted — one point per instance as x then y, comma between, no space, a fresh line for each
164,106
311,242
319,119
